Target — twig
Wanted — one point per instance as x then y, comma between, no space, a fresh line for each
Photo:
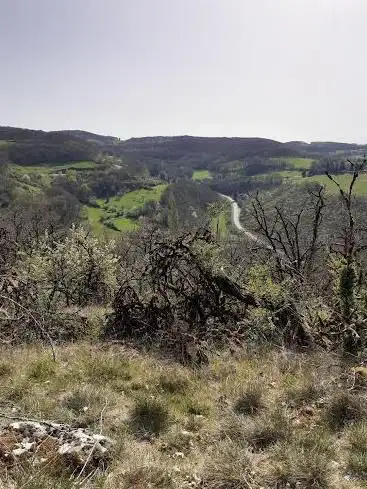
87,460
27,420
96,443
101,417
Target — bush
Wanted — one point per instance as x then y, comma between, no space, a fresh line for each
77,270
149,417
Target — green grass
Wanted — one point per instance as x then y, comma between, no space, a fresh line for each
43,169
344,180
131,200
220,213
125,224
202,175
288,174
93,215
360,187
134,199
297,163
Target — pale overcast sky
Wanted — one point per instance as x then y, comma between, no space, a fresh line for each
283,69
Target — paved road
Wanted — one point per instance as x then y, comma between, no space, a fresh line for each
236,211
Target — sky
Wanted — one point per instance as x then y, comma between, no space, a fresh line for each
281,69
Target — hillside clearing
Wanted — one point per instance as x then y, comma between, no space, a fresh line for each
134,199
111,211
344,180
297,163
202,175
56,168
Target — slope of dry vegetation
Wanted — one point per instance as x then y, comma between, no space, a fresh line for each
247,420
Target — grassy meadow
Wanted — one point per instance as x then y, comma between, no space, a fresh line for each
56,168
113,210
134,199
201,175
297,163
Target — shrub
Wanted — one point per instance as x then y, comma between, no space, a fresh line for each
149,417
77,270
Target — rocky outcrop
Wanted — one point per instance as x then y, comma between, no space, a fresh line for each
66,447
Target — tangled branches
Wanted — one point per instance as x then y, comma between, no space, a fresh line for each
177,299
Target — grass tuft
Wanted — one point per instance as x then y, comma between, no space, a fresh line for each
297,467
268,430
149,416
173,383
251,400
343,409
5,369
306,392
228,467
42,369
357,441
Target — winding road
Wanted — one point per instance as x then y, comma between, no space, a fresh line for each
236,211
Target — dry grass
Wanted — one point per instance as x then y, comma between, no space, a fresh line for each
266,419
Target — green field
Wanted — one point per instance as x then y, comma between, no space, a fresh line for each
202,175
117,205
297,163
344,180
291,174
134,199
360,187
94,215
42,170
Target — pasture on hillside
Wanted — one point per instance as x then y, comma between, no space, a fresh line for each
202,175
112,210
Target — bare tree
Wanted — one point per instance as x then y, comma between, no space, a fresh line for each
292,237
